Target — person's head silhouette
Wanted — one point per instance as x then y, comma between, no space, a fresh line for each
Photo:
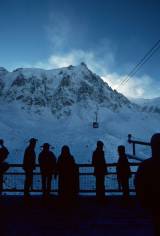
121,150
100,145
65,151
155,146
32,142
46,146
1,142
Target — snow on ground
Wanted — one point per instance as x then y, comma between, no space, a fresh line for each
18,126
58,106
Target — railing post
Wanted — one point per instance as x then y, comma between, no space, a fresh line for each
129,138
134,149
133,144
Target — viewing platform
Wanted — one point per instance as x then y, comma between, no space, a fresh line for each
39,217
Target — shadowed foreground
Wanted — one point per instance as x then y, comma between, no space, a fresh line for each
86,217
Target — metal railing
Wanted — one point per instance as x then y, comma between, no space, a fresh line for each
15,176
14,179
134,143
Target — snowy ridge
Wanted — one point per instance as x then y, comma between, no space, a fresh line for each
148,105
59,90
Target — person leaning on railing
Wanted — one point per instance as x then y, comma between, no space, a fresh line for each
4,166
123,172
47,162
100,170
147,182
29,164
68,176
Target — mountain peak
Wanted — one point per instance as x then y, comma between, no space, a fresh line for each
60,90
83,68
83,64
3,71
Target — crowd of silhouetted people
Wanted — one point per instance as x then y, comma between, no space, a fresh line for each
66,170
50,167
147,178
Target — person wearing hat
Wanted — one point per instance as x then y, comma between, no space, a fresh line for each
47,162
100,170
29,163
123,172
147,182
4,166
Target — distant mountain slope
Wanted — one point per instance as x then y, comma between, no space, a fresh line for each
60,90
148,105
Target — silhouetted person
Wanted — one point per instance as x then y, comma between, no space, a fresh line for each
4,166
123,171
147,182
29,163
47,162
68,175
100,170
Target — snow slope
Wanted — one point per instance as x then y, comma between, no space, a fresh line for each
58,106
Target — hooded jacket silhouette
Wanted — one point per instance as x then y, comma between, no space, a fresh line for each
148,176
68,176
147,182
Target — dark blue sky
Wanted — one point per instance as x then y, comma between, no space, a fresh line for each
114,33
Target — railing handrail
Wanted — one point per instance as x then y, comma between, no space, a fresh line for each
135,142
19,173
78,164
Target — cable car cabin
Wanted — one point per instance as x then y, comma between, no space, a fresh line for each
95,125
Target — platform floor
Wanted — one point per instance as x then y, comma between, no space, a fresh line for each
86,217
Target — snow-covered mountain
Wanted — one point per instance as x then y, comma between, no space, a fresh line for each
3,71
59,90
148,105
58,106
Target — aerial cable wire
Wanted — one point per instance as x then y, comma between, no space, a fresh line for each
146,57
143,60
